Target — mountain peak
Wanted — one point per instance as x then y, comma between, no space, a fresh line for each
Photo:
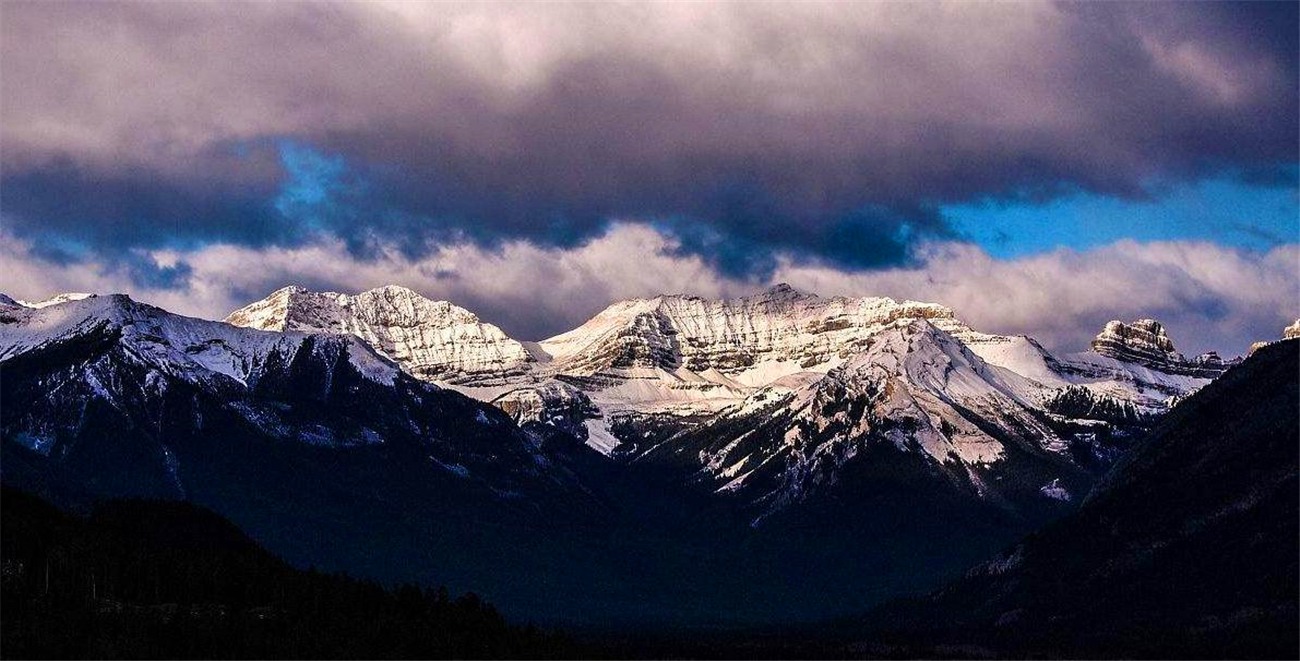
783,291
431,339
395,290
1144,342
1144,338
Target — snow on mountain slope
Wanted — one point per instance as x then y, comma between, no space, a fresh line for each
912,387
53,300
738,338
106,376
674,354
692,357
1136,364
195,349
1132,365
552,403
432,340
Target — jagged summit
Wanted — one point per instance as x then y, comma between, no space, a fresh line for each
433,340
1143,338
785,291
141,401
1145,342
301,309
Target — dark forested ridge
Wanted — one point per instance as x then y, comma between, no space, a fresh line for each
1188,548
149,579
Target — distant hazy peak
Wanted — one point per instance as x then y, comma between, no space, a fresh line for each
54,300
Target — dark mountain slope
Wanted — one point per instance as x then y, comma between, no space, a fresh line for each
320,450
1188,549
153,579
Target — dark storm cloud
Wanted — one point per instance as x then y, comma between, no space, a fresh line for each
832,131
120,210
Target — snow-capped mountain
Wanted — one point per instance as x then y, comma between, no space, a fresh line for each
1134,366
962,402
808,427
737,345
1193,535
138,398
690,358
196,350
432,340
912,388
745,342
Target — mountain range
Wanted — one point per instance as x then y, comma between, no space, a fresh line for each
675,459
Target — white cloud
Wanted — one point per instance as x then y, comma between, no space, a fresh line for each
1209,296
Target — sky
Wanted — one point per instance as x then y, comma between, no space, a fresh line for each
1039,167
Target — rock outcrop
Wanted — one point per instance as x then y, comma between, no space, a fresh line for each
1144,342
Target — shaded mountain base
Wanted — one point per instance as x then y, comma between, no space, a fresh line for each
148,579
659,554
1189,548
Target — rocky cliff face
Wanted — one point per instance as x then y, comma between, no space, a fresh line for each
432,340
552,403
1144,342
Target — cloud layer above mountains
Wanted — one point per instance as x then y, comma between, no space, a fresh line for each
757,136
1210,297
